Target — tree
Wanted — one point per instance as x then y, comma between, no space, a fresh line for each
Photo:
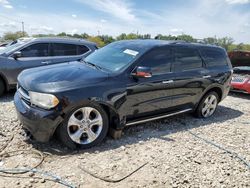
210,40
14,36
63,34
107,39
240,46
84,35
98,40
132,36
125,36
102,40
122,36
77,36
187,38
43,35
146,36
225,42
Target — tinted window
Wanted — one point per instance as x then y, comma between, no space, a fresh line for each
60,49
187,59
213,57
159,61
81,49
36,50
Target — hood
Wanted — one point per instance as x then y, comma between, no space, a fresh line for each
60,77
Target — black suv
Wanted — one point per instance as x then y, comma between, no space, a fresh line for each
33,52
124,83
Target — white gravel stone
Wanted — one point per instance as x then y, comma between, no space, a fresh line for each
175,157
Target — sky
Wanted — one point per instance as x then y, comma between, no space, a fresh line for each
199,18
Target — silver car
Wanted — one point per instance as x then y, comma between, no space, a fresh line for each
35,52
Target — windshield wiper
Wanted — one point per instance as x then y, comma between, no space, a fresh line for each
92,64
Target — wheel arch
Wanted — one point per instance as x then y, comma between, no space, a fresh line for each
114,118
2,77
216,89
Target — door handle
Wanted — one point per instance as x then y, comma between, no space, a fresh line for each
167,81
46,62
206,76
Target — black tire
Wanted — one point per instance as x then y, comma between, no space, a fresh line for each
62,131
2,87
198,112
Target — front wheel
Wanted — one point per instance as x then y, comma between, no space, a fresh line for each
207,105
84,127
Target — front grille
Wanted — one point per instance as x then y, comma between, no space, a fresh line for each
239,79
24,94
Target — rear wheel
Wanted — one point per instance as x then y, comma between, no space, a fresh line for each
207,105
85,126
2,87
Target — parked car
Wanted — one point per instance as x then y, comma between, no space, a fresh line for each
239,58
124,83
3,45
9,43
34,52
241,80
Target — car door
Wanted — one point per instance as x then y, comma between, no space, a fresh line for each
63,52
34,55
148,96
190,77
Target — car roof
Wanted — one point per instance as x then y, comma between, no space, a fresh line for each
61,40
151,43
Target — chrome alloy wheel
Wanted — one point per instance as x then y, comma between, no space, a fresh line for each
209,106
85,125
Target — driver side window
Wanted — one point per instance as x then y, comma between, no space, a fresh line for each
159,60
36,50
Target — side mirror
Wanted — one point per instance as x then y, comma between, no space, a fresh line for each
142,72
17,55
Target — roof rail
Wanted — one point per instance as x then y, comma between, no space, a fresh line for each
178,41
202,41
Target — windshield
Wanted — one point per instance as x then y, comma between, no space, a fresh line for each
113,57
10,47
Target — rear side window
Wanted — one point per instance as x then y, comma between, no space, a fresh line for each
213,57
81,49
36,50
159,60
186,59
60,49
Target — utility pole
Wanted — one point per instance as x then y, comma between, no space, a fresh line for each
23,28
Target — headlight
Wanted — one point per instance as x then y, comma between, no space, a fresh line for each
43,100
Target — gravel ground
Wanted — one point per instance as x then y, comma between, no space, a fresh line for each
173,156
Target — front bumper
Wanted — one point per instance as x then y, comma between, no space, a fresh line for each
40,123
241,87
